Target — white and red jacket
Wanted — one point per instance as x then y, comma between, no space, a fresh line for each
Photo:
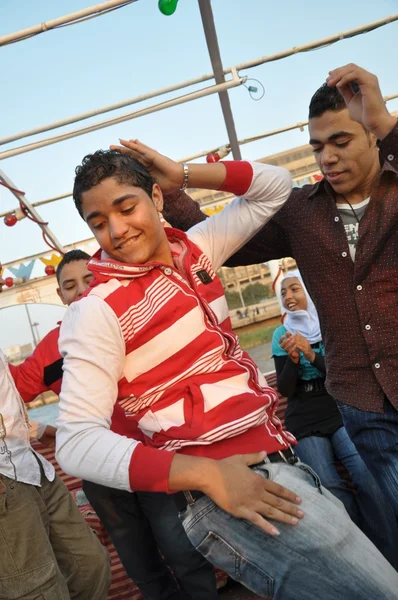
149,354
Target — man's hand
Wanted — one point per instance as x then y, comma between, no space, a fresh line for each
166,172
366,106
246,495
289,345
48,437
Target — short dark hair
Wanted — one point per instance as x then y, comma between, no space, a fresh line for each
68,257
109,163
328,98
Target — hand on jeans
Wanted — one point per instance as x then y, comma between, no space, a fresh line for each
246,495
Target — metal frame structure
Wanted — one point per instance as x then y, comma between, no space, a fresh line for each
220,87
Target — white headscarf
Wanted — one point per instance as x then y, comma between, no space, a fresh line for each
305,322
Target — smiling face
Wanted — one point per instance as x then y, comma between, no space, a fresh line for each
74,280
346,154
293,294
125,222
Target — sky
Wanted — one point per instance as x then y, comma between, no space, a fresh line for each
135,50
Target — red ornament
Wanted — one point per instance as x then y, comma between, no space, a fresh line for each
10,220
49,270
9,281
222,152
213,157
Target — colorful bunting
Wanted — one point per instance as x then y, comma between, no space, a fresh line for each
24,271
53,261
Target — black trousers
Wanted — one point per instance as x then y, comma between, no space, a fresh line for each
142,525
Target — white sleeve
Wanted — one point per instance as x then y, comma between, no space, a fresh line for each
92,345
224,233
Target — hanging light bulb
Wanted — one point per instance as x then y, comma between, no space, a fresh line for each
10,220
222,152
49,270
13,217
213,157
10,281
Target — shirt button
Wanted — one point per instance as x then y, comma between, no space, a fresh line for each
390,157
337,219
359,287
344,254
377,365
168,271
367,327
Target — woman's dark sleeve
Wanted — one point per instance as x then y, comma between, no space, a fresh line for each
286,375
319,362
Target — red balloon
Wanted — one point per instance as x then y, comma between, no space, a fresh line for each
10,220
9,281
49,270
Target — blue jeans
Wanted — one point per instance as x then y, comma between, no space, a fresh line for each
139,525
369,508
324,556
375,436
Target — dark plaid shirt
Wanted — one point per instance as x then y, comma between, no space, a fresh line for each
357,302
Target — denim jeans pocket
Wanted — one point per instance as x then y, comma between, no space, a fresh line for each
314,477
221,554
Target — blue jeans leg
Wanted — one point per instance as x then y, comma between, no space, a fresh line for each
325,556
194,574
377,518
375,436
134,541
317,452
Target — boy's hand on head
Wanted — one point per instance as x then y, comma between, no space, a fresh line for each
364,100
166,172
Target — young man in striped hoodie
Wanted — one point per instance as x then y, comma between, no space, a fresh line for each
149,521
152,344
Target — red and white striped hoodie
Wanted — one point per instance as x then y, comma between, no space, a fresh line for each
167,373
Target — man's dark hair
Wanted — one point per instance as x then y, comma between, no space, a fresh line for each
109,163
68,257
328,98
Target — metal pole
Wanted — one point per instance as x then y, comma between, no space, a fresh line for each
209,28
22,198
83,14
207,77
213,89
31,326
36,326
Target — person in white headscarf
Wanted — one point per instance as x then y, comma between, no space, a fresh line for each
313,417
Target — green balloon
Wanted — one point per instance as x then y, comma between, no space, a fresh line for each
168,7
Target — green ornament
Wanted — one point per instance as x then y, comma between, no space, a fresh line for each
167,7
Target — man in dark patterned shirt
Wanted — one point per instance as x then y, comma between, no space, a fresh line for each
343,234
